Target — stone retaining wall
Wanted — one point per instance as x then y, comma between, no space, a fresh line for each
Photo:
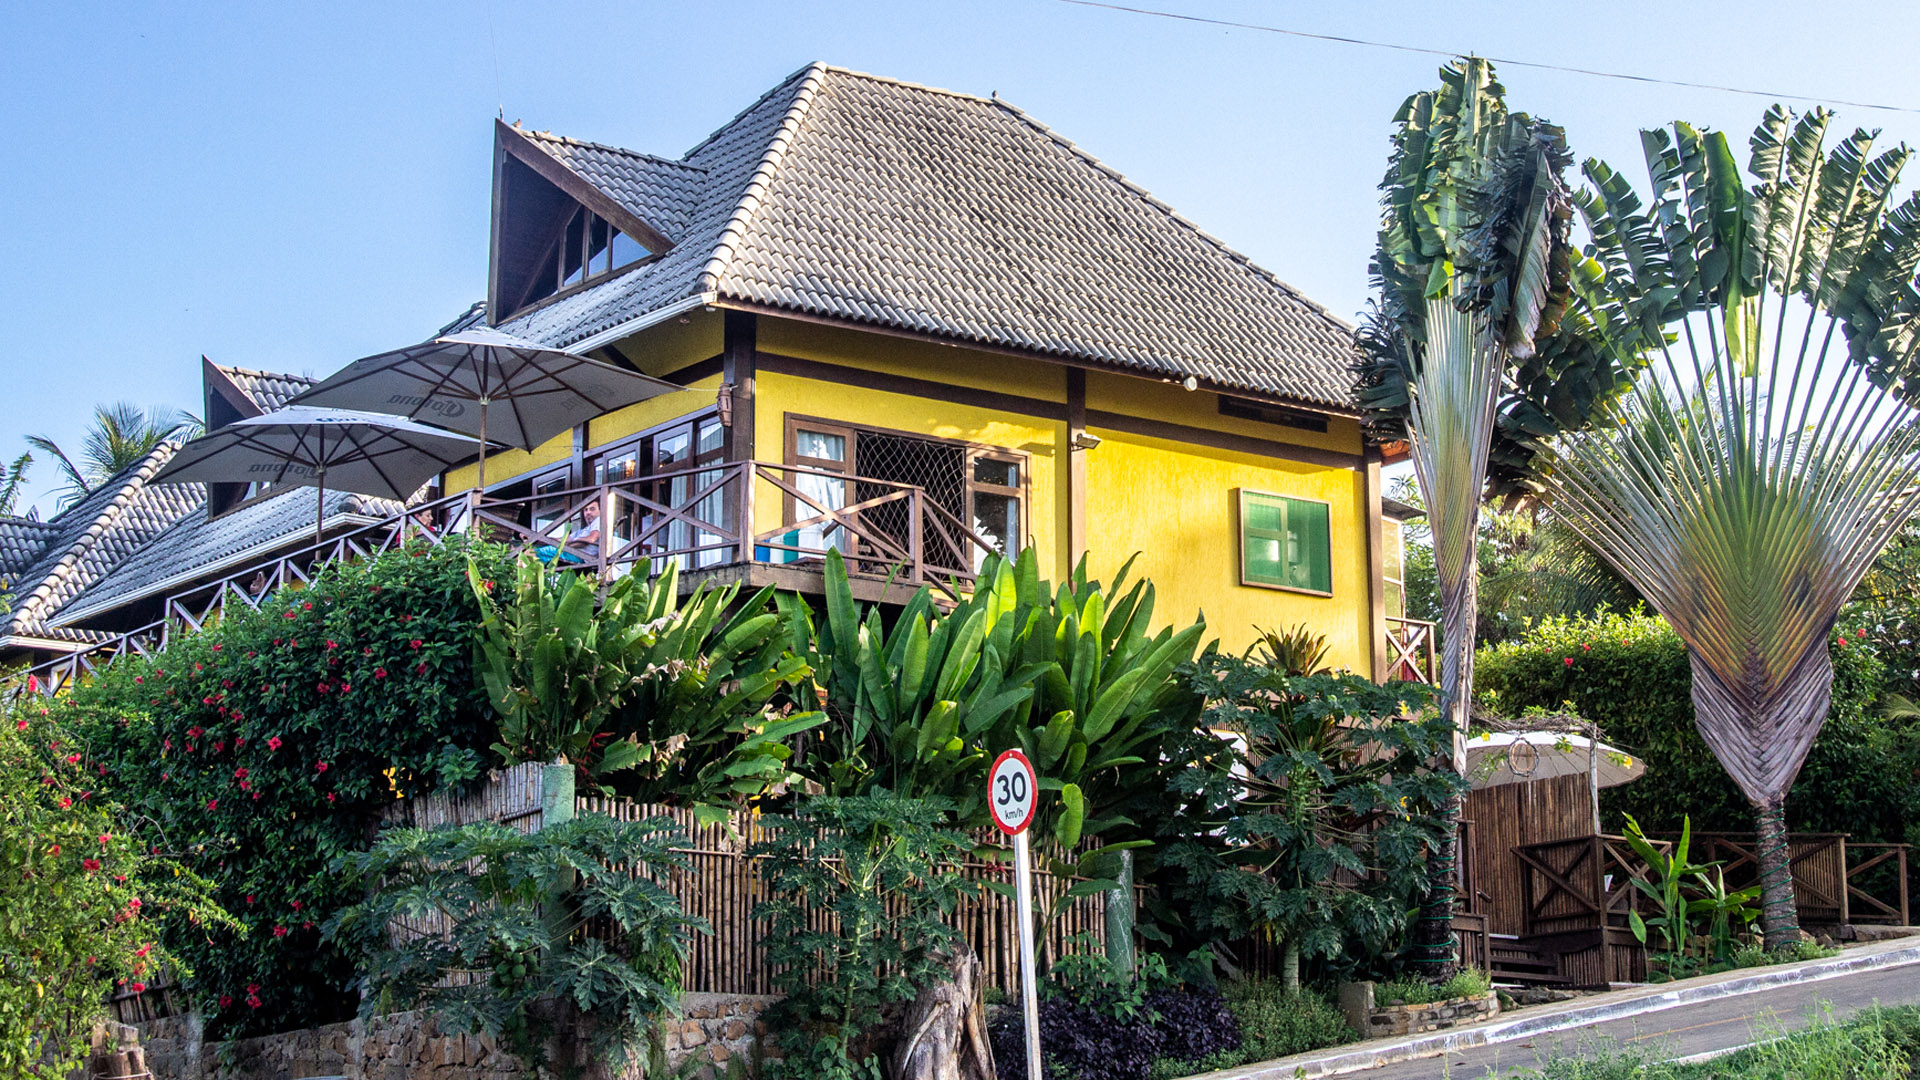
715,1029
1374,1021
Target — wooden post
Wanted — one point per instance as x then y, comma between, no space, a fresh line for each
1376,567
740,336
556,793
1076,468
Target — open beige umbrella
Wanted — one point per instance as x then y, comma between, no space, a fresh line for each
533,392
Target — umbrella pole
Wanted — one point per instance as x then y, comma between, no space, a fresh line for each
1593,774
480,480
320,509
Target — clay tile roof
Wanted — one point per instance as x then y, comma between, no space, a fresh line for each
874,201
267,389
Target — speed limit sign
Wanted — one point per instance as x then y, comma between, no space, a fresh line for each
1011,792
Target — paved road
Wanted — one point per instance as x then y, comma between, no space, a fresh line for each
1680,1032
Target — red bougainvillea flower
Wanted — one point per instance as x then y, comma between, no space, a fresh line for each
54,850
90,865
256,796
144,949
198,667
329,796
105,838
296,905
308,606
306,926
378,673
139,987
320,766
414,644
213,804
66,803
288,615
226,1000
253,1001
216,648
279,931
273,742
331,644
346,688
1862,633
20,726
1569,661
73,759
138,679
420,668
240,773
406,618
195,732
321,686
253,988
368,651
246,785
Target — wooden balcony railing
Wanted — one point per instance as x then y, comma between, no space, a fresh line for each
690,518
1410,647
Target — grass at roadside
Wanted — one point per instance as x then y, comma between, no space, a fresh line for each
1879,1044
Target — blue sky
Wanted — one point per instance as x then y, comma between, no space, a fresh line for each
293,186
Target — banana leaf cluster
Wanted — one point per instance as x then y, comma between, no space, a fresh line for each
656,697
919,705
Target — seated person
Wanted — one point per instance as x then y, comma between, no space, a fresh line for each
581,545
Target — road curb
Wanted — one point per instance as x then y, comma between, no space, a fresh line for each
1357,1058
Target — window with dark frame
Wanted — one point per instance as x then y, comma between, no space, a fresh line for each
982,488
1285,543
585,246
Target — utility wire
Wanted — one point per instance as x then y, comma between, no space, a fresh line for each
1498,60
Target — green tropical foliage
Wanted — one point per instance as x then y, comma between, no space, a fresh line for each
121,434
82,900
1296,651
271,743
654,697
1745,484
572,931
1072,676
1483,343
11,478
887,869
1324,810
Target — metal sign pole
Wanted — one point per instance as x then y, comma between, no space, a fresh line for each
1029,991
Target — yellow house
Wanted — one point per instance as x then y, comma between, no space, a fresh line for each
914,326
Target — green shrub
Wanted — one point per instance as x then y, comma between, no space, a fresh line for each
1630,674
887,868
269,744
517,908
1275,1023
1468,982
83,899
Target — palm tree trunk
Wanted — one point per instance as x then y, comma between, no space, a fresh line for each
1760,727
1433,943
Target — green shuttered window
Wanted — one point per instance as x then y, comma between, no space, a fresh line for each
1285,543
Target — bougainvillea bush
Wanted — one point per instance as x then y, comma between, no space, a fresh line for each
81,896
269,745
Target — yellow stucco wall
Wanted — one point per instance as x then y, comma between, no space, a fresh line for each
1175,504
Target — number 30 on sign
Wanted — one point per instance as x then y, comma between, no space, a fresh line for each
1011,792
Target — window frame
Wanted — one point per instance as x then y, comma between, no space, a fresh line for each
973,451
1242,504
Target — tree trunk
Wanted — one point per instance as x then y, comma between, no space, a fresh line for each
943,1035
1433,946
1760,725
1290,965
1779,917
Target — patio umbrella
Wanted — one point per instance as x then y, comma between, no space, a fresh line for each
362,452
452,380
1515,757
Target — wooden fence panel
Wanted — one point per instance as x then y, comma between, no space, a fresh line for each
1508,816
725,886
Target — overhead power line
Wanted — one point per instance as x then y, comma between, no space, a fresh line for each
1364,43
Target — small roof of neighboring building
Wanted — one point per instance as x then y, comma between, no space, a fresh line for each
866,200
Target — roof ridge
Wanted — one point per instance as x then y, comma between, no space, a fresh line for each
810,69
1174,215
730,234
131,480
909,84
610,148
233,369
